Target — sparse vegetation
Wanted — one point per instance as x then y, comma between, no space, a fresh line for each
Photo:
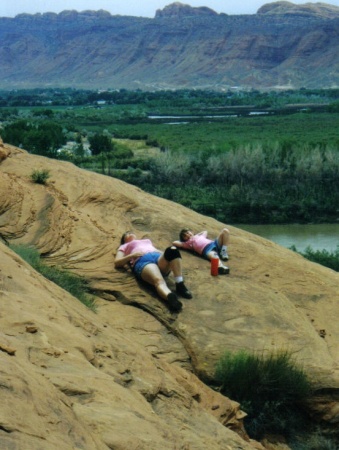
72,283
40,176
270,388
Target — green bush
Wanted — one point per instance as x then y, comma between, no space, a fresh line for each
270,388
122,151
315,440
40,176
72,283
323,257
29,254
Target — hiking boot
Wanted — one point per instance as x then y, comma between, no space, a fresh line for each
223,255
182,290
223,270
173,303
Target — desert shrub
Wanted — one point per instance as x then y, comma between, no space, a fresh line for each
171,169
122,152
270,389
40,176
70,282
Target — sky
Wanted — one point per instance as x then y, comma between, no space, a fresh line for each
138,8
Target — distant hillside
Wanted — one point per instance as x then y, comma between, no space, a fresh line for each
282,46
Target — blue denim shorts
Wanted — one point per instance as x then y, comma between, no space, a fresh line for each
149,258
210,247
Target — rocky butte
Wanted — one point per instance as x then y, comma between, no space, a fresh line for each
130,375
282,46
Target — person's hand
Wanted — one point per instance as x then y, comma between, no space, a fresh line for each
136,255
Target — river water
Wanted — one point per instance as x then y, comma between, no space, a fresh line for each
319,237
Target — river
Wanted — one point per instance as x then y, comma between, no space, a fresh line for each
319,237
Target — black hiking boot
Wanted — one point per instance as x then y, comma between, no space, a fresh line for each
183,291
173,303
223,270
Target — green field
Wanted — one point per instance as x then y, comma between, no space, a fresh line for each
239,157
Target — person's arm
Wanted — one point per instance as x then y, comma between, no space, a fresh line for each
121,260
178,244
186,245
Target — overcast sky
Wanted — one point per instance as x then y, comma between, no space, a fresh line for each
144,8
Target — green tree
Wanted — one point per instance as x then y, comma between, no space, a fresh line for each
102,145
15,133
40,138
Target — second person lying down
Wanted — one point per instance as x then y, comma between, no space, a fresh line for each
207,248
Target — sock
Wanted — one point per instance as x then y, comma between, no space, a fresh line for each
224,248
179,279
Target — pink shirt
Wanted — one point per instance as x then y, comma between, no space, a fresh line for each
197,242
137,245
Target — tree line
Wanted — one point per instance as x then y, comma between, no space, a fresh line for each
248,184
181,97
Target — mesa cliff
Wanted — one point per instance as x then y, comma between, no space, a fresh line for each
131,375
281,46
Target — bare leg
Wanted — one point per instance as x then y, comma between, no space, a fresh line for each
152,275
167,266
224,237
175,265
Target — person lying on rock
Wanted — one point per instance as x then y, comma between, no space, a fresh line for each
151,265
207,248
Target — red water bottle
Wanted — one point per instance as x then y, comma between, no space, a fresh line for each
214,265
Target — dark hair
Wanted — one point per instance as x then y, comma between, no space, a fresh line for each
182,233
122,240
